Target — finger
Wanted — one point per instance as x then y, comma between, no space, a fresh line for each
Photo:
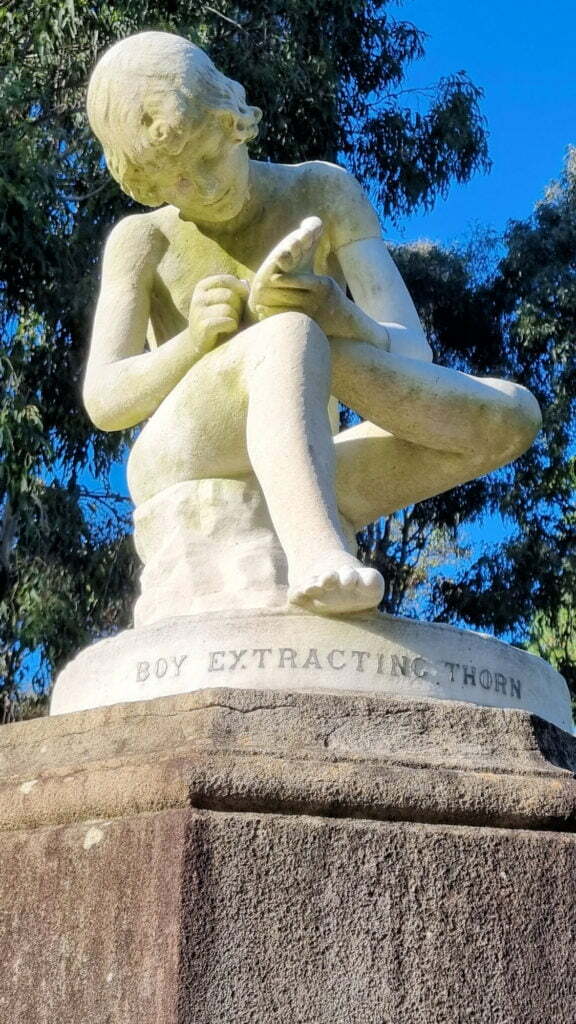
235,284
221,325
283,297
309,282
220,310
223,296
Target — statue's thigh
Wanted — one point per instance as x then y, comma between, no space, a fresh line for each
199,430
377,474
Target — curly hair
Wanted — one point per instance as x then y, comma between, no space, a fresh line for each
147,94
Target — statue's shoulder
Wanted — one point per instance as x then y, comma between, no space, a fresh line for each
319,177
328,179
337,197
138,239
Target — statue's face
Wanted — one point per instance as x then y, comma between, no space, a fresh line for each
208,180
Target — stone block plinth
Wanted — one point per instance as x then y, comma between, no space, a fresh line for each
229,856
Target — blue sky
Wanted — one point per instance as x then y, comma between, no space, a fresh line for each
523,54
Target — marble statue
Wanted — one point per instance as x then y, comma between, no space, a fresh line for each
225,331
224,327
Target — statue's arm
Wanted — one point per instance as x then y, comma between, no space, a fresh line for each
369,270
123,383
378,289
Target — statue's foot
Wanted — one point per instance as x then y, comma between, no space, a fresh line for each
336,584
293,255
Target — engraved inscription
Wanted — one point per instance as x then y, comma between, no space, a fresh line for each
159,668
396,665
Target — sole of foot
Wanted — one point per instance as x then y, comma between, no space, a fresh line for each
338,589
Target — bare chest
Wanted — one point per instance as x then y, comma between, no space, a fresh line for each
193,256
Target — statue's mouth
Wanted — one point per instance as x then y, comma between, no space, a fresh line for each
219,199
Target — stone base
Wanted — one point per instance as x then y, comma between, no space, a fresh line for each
378,654
231,857
207,545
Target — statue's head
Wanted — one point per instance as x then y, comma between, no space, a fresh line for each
168,120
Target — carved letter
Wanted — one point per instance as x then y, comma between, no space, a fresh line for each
499,683
213,666
469,675
485,678
419,668
330,658
452,665
161,668
399,667
287,654
261,651
237,655
142,671
516,688
360,656
312,659
178,662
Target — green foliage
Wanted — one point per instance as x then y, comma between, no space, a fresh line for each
329,76
553,637
531,578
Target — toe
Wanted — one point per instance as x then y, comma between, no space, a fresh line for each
349,577
329,580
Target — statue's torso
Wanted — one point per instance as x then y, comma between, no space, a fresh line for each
189,254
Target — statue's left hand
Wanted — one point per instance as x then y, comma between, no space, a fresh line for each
318,296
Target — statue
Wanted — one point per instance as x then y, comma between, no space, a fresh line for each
239,275
224,329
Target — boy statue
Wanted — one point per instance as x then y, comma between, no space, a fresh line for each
224,326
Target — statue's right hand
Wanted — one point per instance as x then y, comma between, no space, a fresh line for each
216,309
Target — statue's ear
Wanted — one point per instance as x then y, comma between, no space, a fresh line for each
161,133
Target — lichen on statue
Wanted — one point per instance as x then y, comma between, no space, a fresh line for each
224,327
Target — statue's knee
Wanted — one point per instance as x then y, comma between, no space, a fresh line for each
291,333
529,416
525,419
515,420
298,325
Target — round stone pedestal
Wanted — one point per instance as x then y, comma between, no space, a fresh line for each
299,652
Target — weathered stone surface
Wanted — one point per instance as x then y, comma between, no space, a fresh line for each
309,920
345,755
243,857
185,917
172,533
90,926
377,654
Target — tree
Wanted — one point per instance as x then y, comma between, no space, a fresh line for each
527,584
334,89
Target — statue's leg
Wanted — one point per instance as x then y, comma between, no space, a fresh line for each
259,403
377,473
436,428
